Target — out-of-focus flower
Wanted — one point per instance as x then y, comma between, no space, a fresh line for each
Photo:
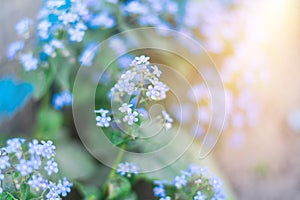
128,169
62,99
28,62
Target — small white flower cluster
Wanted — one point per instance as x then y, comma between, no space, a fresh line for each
141,84
194,178
30,166
141,78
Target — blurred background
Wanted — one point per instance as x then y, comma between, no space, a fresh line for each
256,48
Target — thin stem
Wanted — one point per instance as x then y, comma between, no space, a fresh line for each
13,180
139,98
117,161
38,133
140,93
12,196
113,171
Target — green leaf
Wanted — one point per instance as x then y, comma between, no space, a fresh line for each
8,184
131,196
140,119
74,161
10,196
119,188
49,122
63,73
25,190
16,174
41,78
90,192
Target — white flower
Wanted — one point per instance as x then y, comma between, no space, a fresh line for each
156,71
153,93
102,120
102,111
125,107
157,91
141,77
125,86
131,117
142,60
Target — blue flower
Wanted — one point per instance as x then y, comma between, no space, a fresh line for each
127,169
218,189
64,187
48,49
62,99
54,4
29,62
37,181
118,46
14,145
1,177
24,167
165,198
22,27
53,193
135,7
43,29
68,18
88,54
51,167
36,162
124,61
35,148
179,181
4,162
159,191
101,20
13,48
199,196
31,163
76,35
48,149
194,169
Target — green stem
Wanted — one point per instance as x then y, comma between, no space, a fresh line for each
117,161
12,196
112,173
38,133
140,94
